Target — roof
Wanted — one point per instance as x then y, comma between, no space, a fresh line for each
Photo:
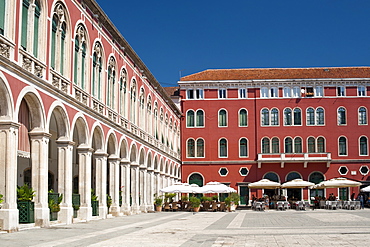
279,73
172,91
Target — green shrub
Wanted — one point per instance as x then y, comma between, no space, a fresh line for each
194,202
184,198
233,197
158,200
25,193
1,198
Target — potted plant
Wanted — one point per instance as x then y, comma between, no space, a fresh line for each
94,203
195,203
54,200
75,204
158,201
1,199
25,204
215,198
168,197
232,201
109,201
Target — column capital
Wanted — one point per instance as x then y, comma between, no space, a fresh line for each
8,124
65,142
125,162
84,148
134,164
39,134
101,153
114,157
142,167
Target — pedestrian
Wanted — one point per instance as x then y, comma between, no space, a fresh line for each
361,199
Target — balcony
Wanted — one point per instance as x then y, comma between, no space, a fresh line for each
295,157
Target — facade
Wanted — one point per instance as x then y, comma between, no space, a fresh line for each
243,125
79,111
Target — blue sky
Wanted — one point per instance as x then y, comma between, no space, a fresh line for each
186,37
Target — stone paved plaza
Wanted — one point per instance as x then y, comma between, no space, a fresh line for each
240,228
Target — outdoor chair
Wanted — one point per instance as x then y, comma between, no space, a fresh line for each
357,205
222,207
339,204
352,205
300,205
307,204
322,204
259,206
286,205
174,206
345,205
167,206
280,206
214,206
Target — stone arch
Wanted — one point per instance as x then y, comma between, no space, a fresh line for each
58,114
123,154
79,131
97,138
167,167
133,153
6,100
161,166
156,167
142,157
149,160
111,144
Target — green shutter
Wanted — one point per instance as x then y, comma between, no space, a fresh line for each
62,45
2,16
108,87
75,67
83,66
36,30
93,75
99,79
53,40
25,6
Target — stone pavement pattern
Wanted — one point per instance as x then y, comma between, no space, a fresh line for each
242,228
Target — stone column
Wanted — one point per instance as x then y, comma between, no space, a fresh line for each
84,182
8,176
125,182
135,208
161,183
143,189
39,161
65,181
156,182
151,191
114,184
101,182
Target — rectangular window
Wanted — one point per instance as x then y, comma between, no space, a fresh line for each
296,92
199,93
319,91
190,94
2,16
341,91
274,92
287,92
361,91
222,93
264,92
309,92
242,93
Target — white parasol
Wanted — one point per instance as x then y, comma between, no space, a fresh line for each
264,184
175,188
337,183
216,187
297,183
366,189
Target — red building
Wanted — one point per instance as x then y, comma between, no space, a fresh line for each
242,125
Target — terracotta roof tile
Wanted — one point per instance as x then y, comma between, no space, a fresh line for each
279,73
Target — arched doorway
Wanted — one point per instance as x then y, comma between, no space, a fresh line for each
196,178
316,177
272,177
294,194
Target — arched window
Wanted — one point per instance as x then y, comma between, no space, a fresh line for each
320,116
111,84
297,145
59,39
243,118
363,146
133,104
321,145
310,116
342,146
190,118
223,148
200,118
297,116
79,67
293,175
222,118
196,178
265,119
272,177
2,16
274,116
243,147
200,148
275,145
362,116
265,145
287,116
341,116
316,177
311,145
30,21
122,92
288,145
191,148
96,71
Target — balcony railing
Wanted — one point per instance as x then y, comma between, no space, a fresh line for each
293,157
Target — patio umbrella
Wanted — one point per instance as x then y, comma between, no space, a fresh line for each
175,188
337,183
297,183
366,189
264,184
216,187
192,188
